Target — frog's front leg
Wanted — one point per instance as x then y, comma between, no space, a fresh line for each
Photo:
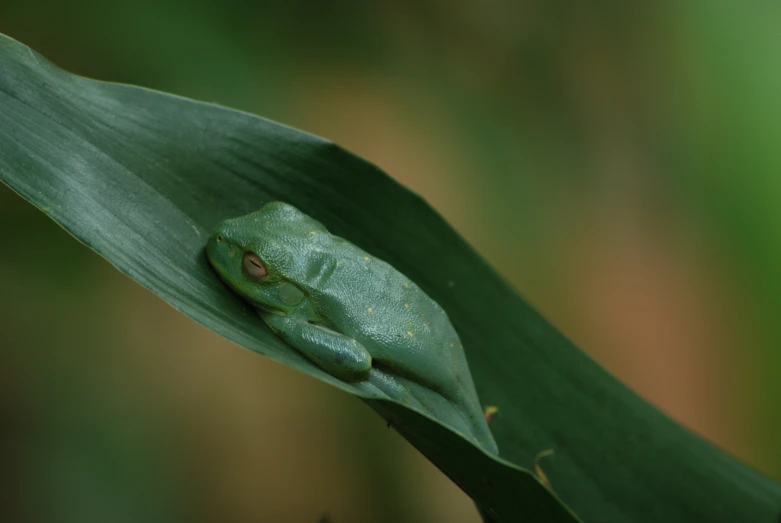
337,354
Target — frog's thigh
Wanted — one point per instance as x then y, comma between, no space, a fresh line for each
337,354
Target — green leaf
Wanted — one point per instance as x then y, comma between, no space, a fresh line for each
142,177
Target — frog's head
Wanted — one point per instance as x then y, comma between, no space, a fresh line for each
263,256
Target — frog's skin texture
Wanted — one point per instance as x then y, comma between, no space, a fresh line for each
354,316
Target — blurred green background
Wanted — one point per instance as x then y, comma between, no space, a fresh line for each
619,165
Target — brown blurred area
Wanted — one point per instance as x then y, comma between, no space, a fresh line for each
587,152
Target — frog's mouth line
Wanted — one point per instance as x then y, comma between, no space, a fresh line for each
268,309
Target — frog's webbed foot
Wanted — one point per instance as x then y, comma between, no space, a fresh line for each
337,354
418,397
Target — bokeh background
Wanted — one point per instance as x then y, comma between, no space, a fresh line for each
619,164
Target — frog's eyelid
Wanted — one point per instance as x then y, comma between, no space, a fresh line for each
254,266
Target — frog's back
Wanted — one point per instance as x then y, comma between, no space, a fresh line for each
368,299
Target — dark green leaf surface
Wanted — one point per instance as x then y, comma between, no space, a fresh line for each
142,177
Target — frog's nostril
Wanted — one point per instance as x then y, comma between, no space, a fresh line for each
219,238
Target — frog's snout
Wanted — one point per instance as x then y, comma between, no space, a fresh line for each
220,252
213,245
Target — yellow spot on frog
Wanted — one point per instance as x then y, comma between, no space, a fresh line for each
406,305
312,233
425,324
409,333
406,285
451,345
366,258
371,311
538,469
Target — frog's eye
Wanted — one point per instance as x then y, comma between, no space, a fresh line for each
253,266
